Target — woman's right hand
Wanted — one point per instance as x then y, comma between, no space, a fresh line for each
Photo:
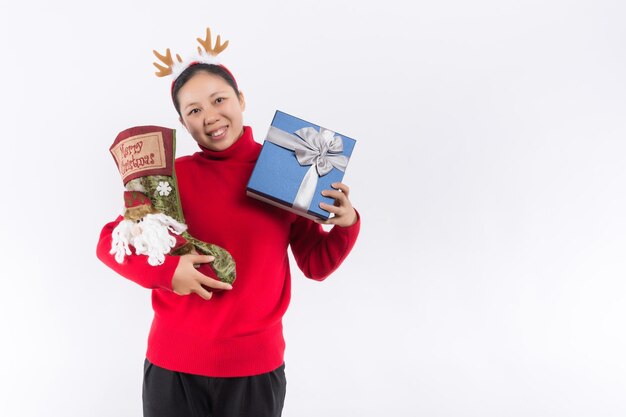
187,279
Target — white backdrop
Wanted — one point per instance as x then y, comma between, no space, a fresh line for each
488,279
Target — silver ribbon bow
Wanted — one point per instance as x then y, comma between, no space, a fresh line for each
321,150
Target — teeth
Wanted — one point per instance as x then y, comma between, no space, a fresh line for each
218,132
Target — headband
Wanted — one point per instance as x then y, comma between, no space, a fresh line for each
207,54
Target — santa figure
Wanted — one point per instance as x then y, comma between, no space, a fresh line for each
148,231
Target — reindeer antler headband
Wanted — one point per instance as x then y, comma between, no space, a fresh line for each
207,54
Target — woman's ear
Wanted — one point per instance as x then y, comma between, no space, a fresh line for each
242,101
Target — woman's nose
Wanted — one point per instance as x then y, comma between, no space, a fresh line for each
210,117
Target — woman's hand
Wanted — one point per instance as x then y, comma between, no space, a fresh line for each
187,279
345,215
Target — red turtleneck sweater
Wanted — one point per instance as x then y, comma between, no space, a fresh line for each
236,332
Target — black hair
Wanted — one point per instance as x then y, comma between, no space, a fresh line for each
192,70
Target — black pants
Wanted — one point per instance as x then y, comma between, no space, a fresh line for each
176,394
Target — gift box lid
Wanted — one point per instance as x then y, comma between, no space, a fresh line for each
299,159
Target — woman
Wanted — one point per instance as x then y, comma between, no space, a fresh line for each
221,353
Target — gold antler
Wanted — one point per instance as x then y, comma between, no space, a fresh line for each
206,44
167,60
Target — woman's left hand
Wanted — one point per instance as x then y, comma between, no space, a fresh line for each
345,215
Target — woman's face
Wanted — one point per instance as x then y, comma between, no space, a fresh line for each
211,111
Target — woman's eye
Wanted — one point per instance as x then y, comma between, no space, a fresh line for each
219,99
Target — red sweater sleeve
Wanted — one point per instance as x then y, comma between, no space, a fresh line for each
317,252
136,267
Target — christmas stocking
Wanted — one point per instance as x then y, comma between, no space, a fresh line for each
153,223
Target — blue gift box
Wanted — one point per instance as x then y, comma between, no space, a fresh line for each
299,159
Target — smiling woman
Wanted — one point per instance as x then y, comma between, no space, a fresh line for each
210,109
222,353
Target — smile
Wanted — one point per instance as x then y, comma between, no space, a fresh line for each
218,133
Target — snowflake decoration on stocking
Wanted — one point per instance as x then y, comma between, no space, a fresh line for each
164,188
